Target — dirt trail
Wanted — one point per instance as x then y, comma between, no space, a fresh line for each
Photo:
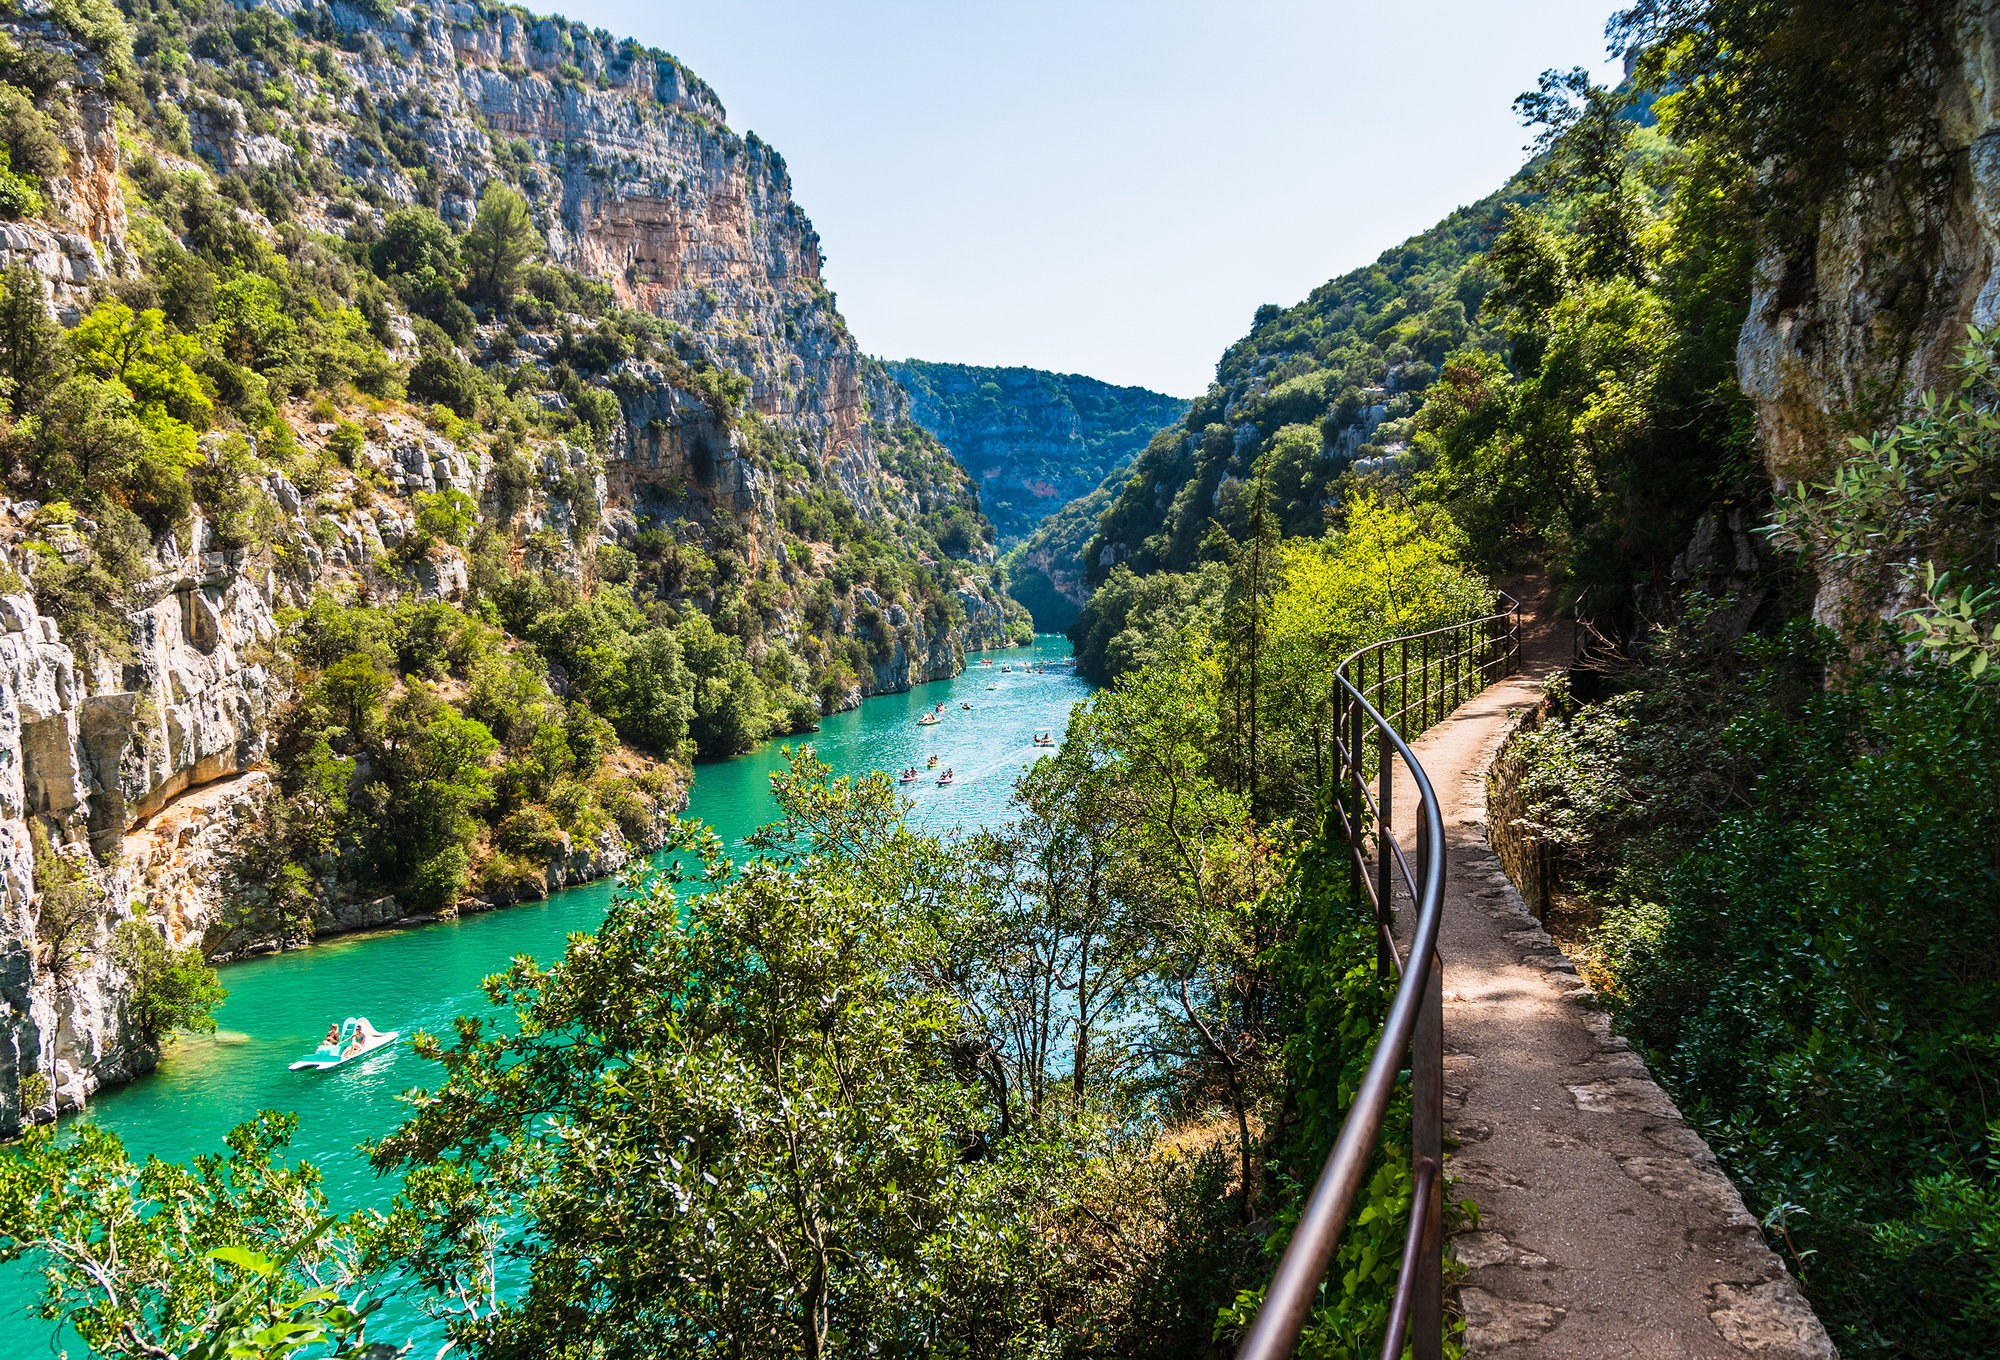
1606,1229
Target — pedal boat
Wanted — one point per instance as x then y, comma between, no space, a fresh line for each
346,1050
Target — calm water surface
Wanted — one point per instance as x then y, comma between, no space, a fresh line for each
279,1006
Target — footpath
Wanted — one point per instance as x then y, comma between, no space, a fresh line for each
1606,1229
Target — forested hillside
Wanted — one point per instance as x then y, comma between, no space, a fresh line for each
1736,417
1038,443
425,432
1033,440
461,532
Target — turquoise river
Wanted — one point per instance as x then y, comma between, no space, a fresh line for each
421,978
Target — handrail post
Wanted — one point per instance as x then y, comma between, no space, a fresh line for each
1424,700
1385,856
1427,1148
1357,796
1402,687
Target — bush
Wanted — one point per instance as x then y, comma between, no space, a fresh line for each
632,810
532,833
509,878
172,989
1799,915
445,380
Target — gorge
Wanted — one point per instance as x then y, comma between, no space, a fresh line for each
434,463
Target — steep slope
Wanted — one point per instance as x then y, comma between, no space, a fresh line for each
1034,440
442,434
1330,383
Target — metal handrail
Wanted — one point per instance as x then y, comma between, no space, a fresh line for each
1416,1014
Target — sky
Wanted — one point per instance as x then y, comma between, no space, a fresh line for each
1112,187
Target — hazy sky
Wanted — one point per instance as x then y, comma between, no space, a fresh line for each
1112,187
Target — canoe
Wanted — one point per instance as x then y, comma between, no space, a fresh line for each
318,1061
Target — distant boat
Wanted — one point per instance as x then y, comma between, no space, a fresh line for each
947,778
928,720
993,687
1006,668
357,1039
1044,739
907,777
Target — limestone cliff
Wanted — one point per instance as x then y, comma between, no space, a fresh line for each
1851,323
1035,440
813,519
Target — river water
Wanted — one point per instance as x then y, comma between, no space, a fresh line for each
279,1006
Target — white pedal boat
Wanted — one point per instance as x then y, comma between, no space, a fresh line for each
357,1039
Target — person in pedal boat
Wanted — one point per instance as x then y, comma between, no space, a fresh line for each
330,1045
364,1034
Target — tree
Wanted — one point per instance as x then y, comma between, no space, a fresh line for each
1061,979
353,688
1192,869
502,239
657,701
444,379
742,1126
416,249
33,355
171,989
155,362
229,1257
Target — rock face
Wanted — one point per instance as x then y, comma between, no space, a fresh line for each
1035,440
1846,328
131,774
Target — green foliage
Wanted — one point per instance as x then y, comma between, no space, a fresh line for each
1785,88
171,989
1131,619
502,239
1616,420
1798,909
396,786
446,380
806,1123
230,1257
1912,513
68,911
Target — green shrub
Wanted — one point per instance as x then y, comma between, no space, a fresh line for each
532,833
1799,913
171,989
447,380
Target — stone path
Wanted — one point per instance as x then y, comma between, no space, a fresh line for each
1606,1229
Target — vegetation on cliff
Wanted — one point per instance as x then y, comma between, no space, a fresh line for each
1031,1091
1042,446
536,530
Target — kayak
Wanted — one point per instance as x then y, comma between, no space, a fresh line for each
319,1060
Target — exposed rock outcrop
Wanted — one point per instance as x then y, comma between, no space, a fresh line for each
1847,326
133,768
